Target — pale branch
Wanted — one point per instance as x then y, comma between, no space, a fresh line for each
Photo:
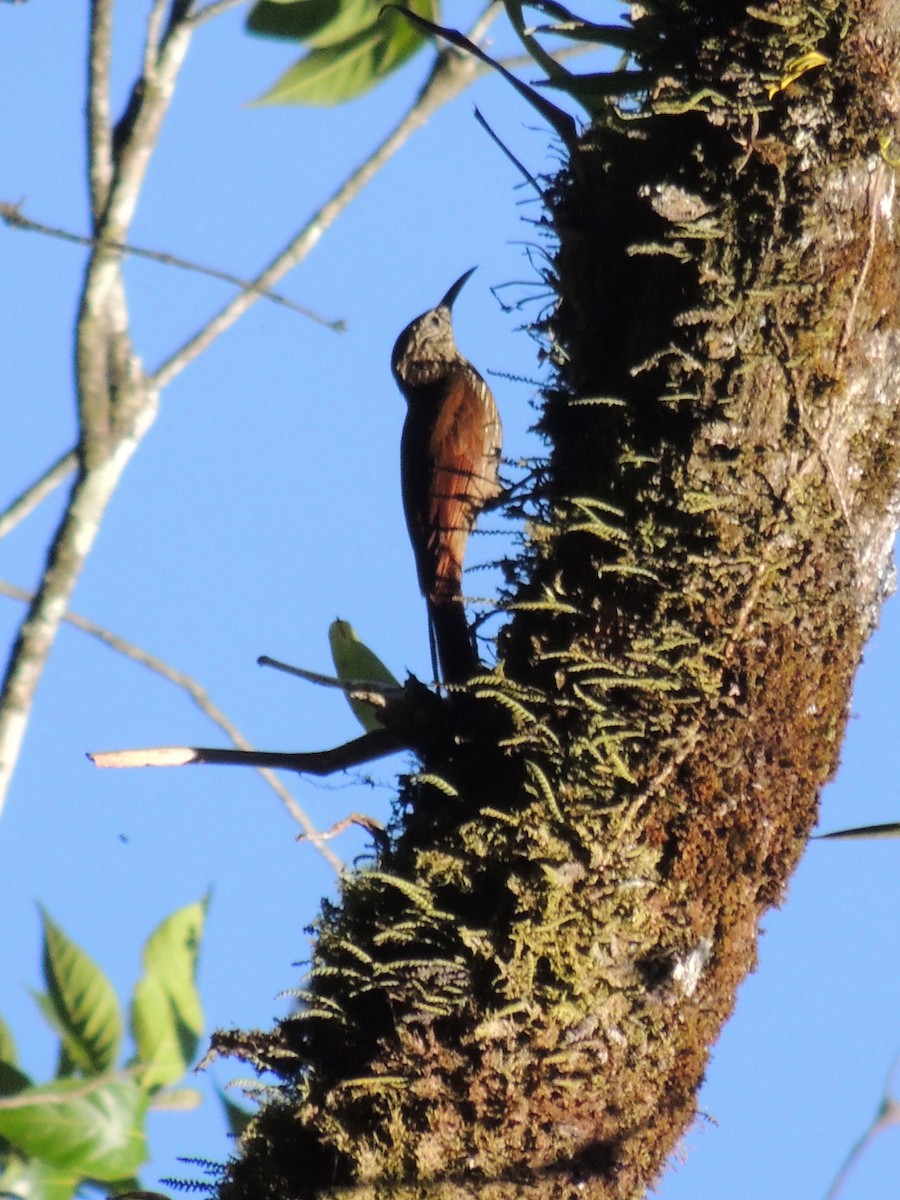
99,124
25,503
214,9
154,36
143,119
452,73
116,403
201,698
372,691
66,556
365,749
12,215
362,821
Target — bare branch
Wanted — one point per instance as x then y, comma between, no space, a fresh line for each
138,132
888,1115
370,690
154,36
214,9
199,695
364,749
363,821
520,167
99,125
66,556
43,486
12,215
116,405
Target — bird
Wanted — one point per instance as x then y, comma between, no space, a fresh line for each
449,462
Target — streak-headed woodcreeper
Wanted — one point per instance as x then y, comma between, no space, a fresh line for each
449,458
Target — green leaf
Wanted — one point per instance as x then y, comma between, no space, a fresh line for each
294,19
166,1013
12,1079
237,1117
318,22
64,1063
83,1003
31,1179
339,71
7,1044
91,1127
353,660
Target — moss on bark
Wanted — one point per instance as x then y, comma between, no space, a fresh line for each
517,996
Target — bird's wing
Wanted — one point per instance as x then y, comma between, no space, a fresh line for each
464,450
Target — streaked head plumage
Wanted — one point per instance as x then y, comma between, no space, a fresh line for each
427,344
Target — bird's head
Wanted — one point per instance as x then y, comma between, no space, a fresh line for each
426,345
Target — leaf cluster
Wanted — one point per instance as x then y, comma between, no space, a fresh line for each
350,47
353,45
88,1123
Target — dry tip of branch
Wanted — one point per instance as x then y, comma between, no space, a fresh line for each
378,744
161,756
362,821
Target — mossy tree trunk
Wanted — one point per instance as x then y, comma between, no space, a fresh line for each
518,997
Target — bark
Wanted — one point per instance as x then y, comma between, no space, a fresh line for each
517,996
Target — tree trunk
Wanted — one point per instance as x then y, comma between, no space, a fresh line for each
518,996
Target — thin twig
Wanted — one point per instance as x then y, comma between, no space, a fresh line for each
154,37
371,690
43,486
562,123
520,167
888,1115
12,215
199,695
215,9
137,134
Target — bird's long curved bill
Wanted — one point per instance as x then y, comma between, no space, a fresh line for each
457,287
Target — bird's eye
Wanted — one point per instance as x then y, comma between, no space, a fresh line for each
435,320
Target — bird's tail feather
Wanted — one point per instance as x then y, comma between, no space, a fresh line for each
452,641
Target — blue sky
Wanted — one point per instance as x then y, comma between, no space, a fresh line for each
265,502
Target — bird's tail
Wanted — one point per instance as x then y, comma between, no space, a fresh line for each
452,641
